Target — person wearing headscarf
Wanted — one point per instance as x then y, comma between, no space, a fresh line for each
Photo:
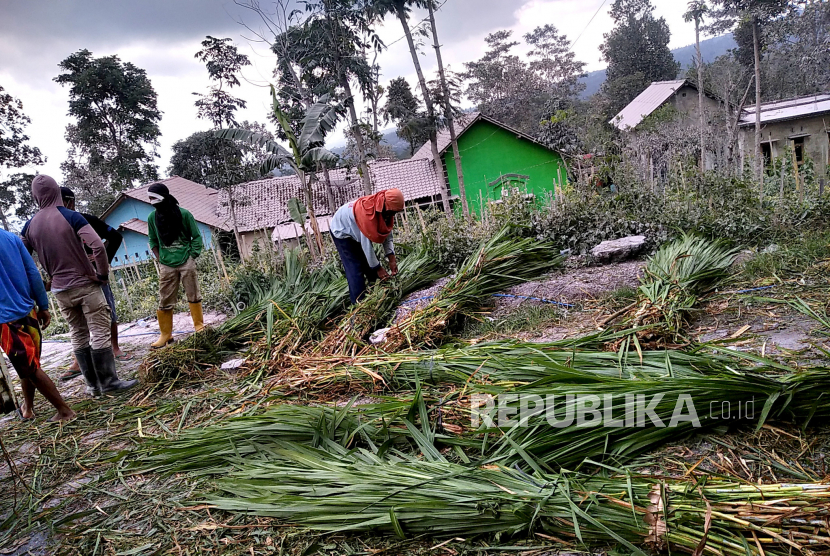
59,236
356,227
176,242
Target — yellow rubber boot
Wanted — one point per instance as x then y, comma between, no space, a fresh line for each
197,316
166,329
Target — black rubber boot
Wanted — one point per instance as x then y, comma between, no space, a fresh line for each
87,366
108,380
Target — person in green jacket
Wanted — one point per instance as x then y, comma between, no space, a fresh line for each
177,243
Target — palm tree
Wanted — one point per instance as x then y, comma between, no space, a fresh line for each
696,10
305,151
400,8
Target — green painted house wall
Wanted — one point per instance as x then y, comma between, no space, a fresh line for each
489,151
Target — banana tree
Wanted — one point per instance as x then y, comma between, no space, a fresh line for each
305,150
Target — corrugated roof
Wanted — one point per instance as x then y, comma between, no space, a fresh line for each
813,105
201,201
264,203
135,225
463,123
647,102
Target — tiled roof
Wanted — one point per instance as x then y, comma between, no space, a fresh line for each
647,102
802,107
201,201
135,225
264,203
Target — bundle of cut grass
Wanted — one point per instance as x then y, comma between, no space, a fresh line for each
561,425
497,264
361,492
415,271
675,278
512,363
399,425
294,294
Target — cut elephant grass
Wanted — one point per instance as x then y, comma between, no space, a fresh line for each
416,270
675,277
499,263
360,492
298,302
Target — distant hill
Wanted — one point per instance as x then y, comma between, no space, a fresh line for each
709,49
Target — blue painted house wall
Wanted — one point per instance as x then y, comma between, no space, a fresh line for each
135,244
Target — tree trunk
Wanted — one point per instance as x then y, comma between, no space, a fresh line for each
700,93
236,234
759,163
309,199
3,219
358,137
433,139
332,202
448,109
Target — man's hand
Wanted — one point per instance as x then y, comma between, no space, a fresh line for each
393,264
44,318
382,274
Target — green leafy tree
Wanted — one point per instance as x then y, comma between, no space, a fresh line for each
116,131
403,109
15,151
223,62
16,197
220,164
637,53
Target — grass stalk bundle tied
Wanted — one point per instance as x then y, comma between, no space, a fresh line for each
675,277
360,492
499,263
415,271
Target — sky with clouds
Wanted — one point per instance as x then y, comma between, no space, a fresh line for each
162,36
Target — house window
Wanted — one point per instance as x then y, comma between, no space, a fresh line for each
798,146
766,151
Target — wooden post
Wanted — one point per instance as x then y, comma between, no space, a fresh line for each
127,295
821,187
781,188
798,185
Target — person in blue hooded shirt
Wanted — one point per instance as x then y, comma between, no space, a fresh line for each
24,310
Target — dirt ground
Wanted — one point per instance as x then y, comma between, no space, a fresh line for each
70,467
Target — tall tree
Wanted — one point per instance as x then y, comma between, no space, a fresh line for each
116,112
400,9
517,91
637,52
554,61
695,11
223,62
448,112
16,197
750,18
15,151
402,107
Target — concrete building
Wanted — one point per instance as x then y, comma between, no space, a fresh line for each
496,159
681,94
802,124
